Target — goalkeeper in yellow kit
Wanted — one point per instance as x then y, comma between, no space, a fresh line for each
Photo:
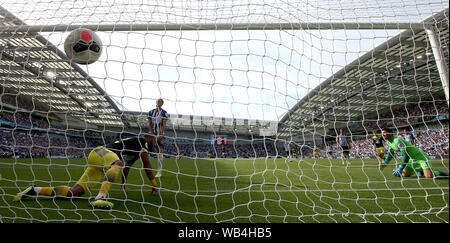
104,165
414,160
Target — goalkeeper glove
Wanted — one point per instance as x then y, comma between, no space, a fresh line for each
398,171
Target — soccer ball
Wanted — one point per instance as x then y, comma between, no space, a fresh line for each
83,46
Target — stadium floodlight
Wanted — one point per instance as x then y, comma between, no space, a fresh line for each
257,93
51,74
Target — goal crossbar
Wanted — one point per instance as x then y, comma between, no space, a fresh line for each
221,26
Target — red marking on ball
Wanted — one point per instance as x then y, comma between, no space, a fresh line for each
86,36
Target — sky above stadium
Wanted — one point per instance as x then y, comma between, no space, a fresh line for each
249,74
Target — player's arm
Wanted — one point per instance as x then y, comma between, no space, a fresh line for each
390,155
148,170
405,160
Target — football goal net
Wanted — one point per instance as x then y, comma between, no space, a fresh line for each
261,111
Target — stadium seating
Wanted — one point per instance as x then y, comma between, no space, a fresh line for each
27,137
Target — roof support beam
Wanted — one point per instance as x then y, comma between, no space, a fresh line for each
440,59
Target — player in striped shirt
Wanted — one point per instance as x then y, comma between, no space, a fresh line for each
287,148
157,119
344,143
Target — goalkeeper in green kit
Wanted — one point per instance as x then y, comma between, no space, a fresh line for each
414,160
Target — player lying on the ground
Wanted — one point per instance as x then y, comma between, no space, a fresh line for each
104,165
414,160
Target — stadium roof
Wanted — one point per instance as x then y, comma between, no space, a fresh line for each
32,66
398,71
29,64
28,61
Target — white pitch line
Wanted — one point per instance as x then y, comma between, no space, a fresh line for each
272,191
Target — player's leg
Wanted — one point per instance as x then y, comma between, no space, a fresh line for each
424,168
32,190
347,156
60,191
410,169
428,172
98,158
111,176
101,159
160,156
91,177
380,152
156,145
406,173
440,173
421,167
57,191
85,181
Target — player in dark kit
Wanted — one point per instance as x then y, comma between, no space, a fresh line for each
131,149
104,165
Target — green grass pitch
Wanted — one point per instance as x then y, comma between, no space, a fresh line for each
232,190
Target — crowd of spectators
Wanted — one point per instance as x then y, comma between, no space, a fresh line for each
29,120
34,138
231,150
25,145
18,101
26,132
433,141
410,115
32,115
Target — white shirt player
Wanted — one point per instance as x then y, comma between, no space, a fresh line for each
157,118
287,146
342,139
410,138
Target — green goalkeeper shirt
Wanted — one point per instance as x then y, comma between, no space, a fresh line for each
407,149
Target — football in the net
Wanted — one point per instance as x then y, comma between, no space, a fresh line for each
83,46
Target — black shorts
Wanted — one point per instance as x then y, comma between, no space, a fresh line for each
345,149
160,144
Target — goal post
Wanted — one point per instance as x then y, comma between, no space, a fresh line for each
256,94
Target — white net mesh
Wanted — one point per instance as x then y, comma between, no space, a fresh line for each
240,80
